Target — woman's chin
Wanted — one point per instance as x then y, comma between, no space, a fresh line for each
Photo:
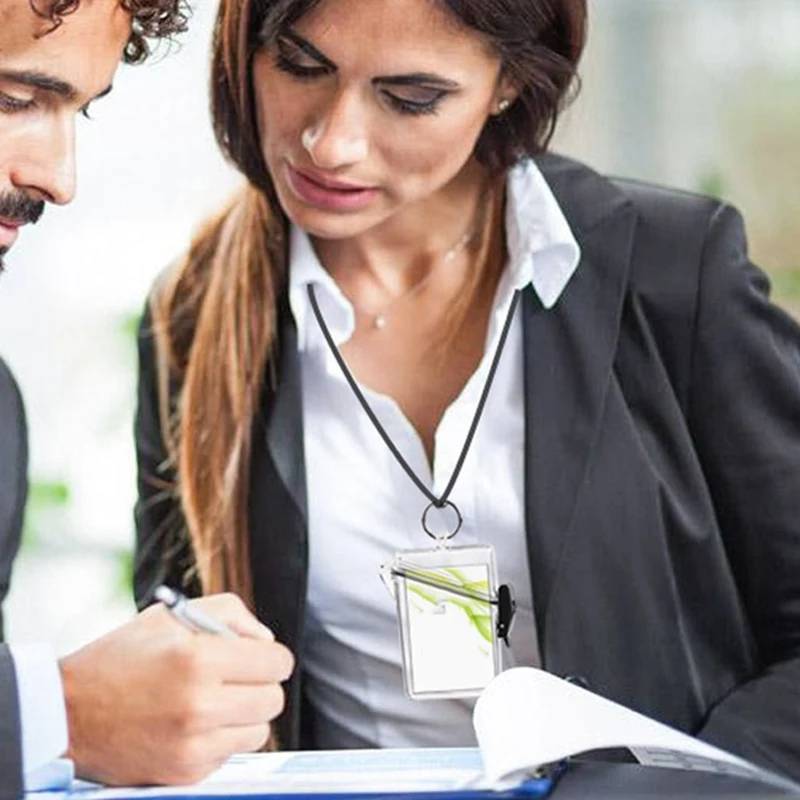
326,225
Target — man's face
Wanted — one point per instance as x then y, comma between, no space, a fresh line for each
48,77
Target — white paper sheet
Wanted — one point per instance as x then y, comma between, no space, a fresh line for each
527,717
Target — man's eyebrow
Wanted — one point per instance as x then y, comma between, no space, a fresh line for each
38,80
47,83
412,79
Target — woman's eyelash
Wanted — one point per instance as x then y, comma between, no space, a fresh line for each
414,107
298,70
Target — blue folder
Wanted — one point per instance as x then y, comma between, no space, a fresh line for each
423,774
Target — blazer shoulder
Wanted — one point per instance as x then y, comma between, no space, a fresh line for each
13,476
675,243
13,426
13,442
10,396
11,785
673,221
652,198
586,196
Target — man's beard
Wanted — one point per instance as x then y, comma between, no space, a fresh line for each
17,207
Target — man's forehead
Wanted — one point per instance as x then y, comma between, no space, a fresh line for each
18,24
83,51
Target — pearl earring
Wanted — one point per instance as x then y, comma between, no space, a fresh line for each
502,105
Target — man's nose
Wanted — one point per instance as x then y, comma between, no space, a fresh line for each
46,169
338,136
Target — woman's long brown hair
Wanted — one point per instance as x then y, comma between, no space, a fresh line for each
214,325
214,315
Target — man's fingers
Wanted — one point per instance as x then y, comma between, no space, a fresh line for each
237,705
241,739
194,759
247,661
229,609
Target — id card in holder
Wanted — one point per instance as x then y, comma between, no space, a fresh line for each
448,610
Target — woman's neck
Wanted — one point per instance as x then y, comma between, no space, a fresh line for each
394,257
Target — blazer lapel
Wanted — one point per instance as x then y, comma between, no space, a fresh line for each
284,426
569,352
277,503
278,515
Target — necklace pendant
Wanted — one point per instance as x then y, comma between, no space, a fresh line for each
380,322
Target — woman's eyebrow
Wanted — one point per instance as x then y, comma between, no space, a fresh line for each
411,79
417,79
308,48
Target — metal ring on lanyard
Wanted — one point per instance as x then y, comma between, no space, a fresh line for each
459,520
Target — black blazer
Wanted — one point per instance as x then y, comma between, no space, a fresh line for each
662,474
13,476
13,491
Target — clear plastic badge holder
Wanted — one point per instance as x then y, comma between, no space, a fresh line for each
452,617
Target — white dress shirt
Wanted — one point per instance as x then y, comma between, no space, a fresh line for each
43,716
363,507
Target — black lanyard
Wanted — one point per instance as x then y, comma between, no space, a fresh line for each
438,502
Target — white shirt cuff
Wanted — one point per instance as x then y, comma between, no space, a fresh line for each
43,715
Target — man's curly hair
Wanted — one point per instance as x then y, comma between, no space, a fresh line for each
152,20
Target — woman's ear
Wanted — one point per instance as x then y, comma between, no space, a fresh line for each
504,96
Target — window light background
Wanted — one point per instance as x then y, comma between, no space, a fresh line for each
701,94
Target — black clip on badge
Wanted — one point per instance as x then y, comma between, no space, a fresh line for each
506,608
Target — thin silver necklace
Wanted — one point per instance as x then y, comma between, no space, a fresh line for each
380,319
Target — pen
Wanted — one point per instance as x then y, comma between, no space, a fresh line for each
192,617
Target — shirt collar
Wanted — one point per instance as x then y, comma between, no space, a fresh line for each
306,270
542,252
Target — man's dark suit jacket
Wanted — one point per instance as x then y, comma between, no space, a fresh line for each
13,490
662,474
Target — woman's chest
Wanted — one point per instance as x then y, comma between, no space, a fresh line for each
422,374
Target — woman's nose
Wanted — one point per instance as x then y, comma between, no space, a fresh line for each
338,137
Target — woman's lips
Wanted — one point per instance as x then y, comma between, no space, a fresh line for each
329,194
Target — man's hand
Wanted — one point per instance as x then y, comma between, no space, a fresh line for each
153,702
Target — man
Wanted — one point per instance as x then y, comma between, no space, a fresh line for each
151,702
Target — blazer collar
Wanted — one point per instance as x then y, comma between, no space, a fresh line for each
568,355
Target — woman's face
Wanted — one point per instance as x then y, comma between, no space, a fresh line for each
371,108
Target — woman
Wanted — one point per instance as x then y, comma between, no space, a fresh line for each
636,465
